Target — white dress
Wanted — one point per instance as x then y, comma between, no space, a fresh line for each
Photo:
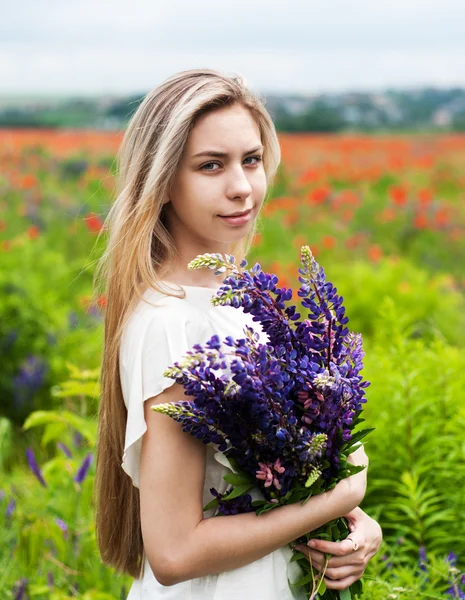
154,338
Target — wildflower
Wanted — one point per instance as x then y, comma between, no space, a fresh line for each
420,221
64,449
422,559
72,320
63,526
387,214
83,469
77,439
102,301
328,242
425,197
441,217
319,195
33,232
28,181
93,222
34,466
398,195
50,579
10,508
20,588
375,253
30,378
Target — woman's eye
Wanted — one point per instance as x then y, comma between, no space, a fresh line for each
258,158
207,165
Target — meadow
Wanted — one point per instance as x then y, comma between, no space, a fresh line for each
384,216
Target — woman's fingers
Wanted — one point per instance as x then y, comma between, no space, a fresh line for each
344,548
339,574
342,584
342,573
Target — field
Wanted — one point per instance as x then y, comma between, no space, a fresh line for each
385,217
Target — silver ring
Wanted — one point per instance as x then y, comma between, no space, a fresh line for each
354,543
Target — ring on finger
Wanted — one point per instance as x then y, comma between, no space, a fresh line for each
354,543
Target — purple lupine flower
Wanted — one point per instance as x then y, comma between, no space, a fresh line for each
31,459
20,588
50,579
72,320
10,508
451,559
422,559
64,449
62,525
77,439
51,339
455,592
29,379
83,469
387,561
234,506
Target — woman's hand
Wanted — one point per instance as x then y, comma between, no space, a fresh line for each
346,565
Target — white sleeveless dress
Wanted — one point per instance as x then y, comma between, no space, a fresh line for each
157,335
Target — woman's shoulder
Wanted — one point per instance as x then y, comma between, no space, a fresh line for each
159,318
155,303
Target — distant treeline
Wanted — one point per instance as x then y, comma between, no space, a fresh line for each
426,109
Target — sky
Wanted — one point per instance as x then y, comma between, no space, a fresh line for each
88,48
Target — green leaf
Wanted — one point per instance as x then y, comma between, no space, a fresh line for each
303,580
53,431
345,594
357,587
356,437
322,587
238,491
238,479
212,504
87,427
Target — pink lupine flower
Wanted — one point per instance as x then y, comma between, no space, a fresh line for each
278,467
265,474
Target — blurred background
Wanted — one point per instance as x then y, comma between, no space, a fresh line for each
369,104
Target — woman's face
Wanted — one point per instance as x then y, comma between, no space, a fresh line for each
210,186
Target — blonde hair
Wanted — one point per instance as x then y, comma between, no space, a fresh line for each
139,253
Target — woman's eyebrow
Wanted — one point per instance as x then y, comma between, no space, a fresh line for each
224,154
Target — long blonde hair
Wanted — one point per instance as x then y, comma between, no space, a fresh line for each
139,253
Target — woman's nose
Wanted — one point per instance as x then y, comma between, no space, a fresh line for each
239,185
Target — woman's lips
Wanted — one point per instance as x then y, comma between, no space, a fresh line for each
238,220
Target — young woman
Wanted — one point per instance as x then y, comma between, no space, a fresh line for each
194,168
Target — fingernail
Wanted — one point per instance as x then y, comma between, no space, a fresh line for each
312,544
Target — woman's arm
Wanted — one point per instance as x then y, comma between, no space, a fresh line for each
179,543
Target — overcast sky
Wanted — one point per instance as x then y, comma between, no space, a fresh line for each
89,47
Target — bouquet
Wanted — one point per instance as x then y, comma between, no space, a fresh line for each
283,412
